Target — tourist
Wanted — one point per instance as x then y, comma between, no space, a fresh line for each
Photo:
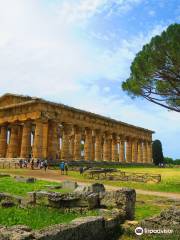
20,163
62,167
38,163
81,170
66,168
32,164
25,163
45,165
41,164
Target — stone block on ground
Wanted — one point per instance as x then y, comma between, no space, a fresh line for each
97,188
123,198
4,175
93,200
24,179
69,185
7,204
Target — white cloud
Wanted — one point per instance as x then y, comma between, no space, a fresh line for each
82,10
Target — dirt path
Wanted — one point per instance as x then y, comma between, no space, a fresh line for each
54,176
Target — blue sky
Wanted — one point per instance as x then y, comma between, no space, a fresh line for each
79,51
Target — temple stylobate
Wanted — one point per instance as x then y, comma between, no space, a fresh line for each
33,127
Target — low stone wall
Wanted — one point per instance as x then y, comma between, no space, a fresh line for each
88,228
168,220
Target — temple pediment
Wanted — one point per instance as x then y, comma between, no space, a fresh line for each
11,99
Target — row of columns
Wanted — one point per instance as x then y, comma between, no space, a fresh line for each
98,146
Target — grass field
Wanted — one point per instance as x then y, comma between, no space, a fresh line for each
170,179
37,217
10,185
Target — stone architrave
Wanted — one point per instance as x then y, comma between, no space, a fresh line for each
3,141
26,140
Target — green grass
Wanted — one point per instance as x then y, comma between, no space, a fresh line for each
37,217
10,185
170,179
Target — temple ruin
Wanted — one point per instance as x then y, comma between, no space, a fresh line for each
34,127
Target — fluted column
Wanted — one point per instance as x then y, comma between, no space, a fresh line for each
149,152
134,151
77,143
52,140
26,140
3,141
145,152
121,151
98,146
107,148
12,151
38,140
114,148
140,152
72,147
88,144
128,151
93,149
65,153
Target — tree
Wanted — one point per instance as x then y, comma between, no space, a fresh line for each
157,152
168,160
155,71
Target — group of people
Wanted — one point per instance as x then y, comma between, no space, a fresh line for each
43,164
38,164
64,168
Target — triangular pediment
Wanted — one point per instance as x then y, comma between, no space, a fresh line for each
11,99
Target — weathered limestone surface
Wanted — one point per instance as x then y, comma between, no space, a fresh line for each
123,198
34,127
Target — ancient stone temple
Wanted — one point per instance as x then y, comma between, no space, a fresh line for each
33,127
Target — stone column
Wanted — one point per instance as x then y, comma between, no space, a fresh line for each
38,140
65,152
134,151
26,140
122,151
140,152
88,144
52,140
128,151
149,152
145,152
114,148
12,151
77,143
3,141
93,149
107,148
98,146
72,147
